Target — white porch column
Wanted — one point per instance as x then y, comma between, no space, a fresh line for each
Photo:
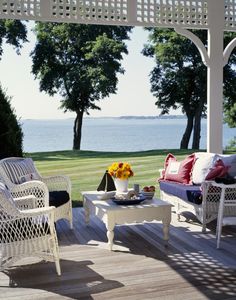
215,76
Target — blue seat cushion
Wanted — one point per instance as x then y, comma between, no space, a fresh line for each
186,192
58,198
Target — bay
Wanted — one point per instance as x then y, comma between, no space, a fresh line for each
111,134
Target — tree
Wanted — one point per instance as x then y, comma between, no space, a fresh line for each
12,32
179,79
230,116
10,130
80,62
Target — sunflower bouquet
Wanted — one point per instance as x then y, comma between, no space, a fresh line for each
120,170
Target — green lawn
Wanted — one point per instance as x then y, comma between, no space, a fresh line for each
86,168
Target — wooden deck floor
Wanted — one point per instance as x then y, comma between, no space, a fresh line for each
139,268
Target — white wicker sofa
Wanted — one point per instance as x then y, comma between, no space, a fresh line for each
22,178
201,198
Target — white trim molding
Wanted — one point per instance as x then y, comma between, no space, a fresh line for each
198,43
228,50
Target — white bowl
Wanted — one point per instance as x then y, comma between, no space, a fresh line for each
102,195
148,195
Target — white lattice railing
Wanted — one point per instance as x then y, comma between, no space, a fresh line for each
230,14
171,12
20,9
163,13
95,10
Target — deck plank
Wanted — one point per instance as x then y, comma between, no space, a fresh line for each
140,267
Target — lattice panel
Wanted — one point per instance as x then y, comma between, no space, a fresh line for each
190,13
162,13
90,10
230,14
20,8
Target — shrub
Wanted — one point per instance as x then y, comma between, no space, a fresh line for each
11,135
232,144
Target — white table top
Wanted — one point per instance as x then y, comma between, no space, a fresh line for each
109,204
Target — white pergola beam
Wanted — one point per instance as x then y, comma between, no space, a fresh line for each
193,14
163,13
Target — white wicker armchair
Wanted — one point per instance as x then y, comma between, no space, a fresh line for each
22,178
26,230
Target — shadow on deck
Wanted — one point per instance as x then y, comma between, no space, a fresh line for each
140,267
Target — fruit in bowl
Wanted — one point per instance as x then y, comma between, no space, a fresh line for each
148,191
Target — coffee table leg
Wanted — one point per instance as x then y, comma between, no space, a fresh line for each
110,233
166,226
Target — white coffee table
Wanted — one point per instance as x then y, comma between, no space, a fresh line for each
112,214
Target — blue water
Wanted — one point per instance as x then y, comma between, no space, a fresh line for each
111,134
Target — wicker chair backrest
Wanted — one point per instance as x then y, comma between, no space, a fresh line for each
15,170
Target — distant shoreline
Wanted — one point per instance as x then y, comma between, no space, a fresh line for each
142,117
160,117
165,117
154,117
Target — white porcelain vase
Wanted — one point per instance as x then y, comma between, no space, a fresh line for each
121,185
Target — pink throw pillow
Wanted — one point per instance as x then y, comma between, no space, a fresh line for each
179,171
166,163
218,170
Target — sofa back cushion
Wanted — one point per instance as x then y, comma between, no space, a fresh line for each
203,163
179,171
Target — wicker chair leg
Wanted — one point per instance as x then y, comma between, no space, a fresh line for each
57,260
218,236
71,224
58,267
204,228
71,218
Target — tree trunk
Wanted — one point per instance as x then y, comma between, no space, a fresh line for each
197,126
196,132
187,134
78,130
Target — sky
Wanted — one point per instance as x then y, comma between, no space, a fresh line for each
133,95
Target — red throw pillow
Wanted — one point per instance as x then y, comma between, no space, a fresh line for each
180,171
166,163
219,170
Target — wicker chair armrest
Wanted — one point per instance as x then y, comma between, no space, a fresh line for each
33,187
41,213
27,202
37,211
207,182
35,222
229,191
228,186
58,183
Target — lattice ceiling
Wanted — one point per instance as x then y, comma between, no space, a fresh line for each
163,13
